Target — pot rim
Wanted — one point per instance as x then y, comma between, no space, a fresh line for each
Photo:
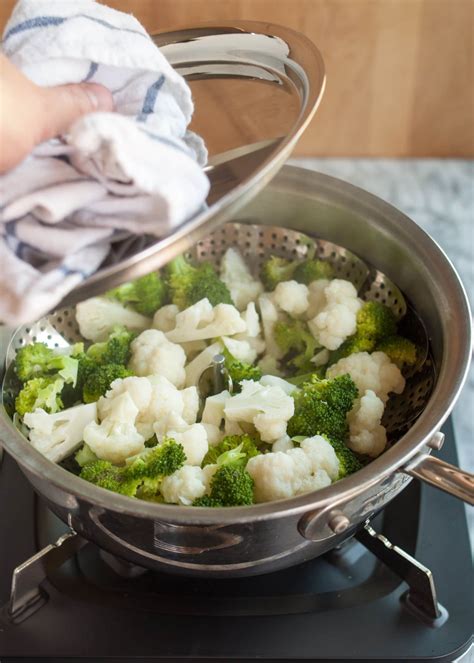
446,391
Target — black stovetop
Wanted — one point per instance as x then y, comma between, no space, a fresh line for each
344,606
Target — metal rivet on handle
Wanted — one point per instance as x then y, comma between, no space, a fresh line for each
338,522
436,441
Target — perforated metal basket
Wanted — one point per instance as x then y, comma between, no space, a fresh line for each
257,243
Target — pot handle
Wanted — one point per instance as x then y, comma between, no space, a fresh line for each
442,475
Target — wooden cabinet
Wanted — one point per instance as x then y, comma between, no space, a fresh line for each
400,72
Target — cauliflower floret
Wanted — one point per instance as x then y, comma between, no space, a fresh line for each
213,412
233,428
274,381
57,435
269,365
269,315
253,332
165,317
236,275
291,297
194,441
193,348
337,319
321,358
367,435
316,297
214,434
96,318
284,443
201,321
116,437
284,474
198,365
321,455
370,371
139,390
268,408
185,485
241,350
190,398
154,354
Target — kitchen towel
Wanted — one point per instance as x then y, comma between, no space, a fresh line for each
76,199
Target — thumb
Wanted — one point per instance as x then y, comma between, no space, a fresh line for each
64,104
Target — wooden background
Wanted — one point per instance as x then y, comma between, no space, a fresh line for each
400,72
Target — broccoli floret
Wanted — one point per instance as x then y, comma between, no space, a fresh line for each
301,378
312,270
146,294
157,462
189,284
231,486
99,380
105,475
353,344
275,269
240,370
116,350
207,500
234,449
400,351
321,407
375,321
348,461
44,392
37,360
85,455
296,341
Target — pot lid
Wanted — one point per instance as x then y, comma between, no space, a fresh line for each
256,87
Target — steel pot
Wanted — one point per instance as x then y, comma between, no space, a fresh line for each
267,537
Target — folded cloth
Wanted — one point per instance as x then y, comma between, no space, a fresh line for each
136,171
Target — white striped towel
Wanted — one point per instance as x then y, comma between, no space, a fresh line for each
114,175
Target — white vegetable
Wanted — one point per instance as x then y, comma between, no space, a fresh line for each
190,398
321,455
267,408
194,441
185,485
96,318
238,278
253,332
56,436
165,317
367,435
284,474
166,405
274,381
283,444
269,365
195,323
291,297
213,412
321,358
193,348
214,434
154,354
316,297
269,315
370,371
337,320
139,389
116,437
241,350
198,365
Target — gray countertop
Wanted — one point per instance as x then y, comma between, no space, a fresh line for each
438,194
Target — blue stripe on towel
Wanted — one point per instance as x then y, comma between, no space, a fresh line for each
92,70
150,98
168,141
67,271
46,21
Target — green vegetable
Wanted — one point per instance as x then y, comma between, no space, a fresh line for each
400,351
350,346
188,284
321,407
37,360
115,350
230,486
348,461
232,449
312,270
146,294
296,341
85,455
43,392
99,380
142,476
375,321
275,269
240,370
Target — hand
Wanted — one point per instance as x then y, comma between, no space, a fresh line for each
30,114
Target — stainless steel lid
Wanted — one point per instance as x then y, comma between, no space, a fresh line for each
256,87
